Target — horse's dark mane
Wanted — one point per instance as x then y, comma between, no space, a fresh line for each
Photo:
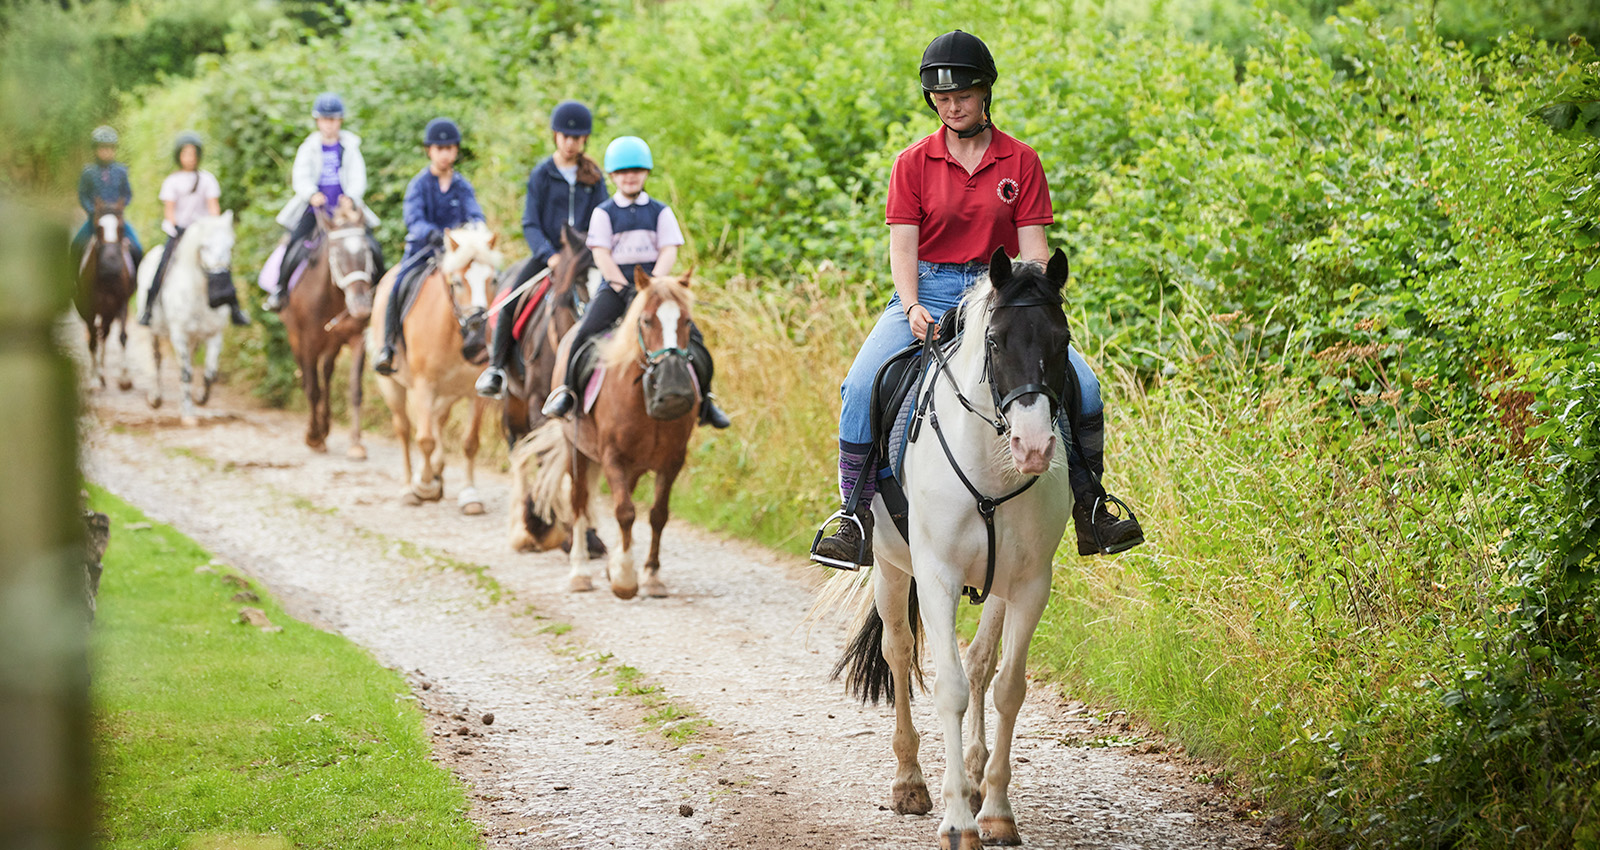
1028,285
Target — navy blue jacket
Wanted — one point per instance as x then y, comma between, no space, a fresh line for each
106,182
552,203
429,211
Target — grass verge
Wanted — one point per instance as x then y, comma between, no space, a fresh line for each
213,733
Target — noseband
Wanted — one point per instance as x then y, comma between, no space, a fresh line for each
342,277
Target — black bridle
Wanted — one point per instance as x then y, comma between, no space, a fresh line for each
986,505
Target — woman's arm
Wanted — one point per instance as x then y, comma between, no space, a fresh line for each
903,270
1031,245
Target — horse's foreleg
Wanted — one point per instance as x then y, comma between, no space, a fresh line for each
981,657
427,485
92,326
584,478
938,590
153,394
185,356
653,585
996,823
309,373
124,372
469,501
624,580
213,359
358,362
330,361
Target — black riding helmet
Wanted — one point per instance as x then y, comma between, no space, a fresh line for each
955,61
184,139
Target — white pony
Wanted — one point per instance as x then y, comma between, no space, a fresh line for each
183,313
443,356
987,440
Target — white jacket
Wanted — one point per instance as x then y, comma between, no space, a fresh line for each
308,167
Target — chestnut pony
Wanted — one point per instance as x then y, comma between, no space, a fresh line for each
329,309
643,414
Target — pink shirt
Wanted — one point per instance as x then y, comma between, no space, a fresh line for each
634,246
189,191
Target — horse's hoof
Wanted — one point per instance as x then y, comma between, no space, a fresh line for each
189,421
911,798
654,589
966,839
317,446
580,584
356,452
522,541
124,384
472,508
410,499
1001,831
153,401
625,591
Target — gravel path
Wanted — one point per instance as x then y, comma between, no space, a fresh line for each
582,751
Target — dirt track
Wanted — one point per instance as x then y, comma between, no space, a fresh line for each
780,758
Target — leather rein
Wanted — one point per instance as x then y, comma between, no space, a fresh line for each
986,505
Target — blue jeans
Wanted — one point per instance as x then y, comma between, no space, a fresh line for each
939,288
82,238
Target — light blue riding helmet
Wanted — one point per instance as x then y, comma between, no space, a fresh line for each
626,152
104,135
328,105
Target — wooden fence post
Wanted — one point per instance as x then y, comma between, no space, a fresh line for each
46,780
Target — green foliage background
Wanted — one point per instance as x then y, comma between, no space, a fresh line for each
1338,267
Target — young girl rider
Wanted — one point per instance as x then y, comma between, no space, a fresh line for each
187,195
563,190
954,197
106,180
437,200
327,166
630,231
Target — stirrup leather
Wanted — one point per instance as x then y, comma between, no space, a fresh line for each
861,547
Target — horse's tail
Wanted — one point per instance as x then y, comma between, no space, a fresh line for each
866,672
541,469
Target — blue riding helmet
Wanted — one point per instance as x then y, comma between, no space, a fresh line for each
627,152
184,139
572,118
104,135
441,131
328,105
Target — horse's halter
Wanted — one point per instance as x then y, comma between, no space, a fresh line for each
654,358
474,318
344,276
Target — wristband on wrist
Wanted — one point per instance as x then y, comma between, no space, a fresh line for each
908,308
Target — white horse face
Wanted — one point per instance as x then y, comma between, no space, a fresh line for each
216,250
110,231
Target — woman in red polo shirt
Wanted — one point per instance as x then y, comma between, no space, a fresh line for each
954,197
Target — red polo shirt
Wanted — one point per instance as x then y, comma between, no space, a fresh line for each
963,217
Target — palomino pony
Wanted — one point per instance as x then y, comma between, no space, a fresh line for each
443,355
329,309
644,412
989,501
105,283
570,284
183,312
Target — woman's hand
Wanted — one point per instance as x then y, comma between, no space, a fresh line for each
318,199
555,260
921,320
168,227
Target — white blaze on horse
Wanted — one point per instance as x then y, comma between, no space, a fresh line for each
988,441
444,353
183,312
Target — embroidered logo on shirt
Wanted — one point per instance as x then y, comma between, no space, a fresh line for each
1008,190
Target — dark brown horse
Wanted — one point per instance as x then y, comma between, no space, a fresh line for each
645,411
562,305
105,283
328,310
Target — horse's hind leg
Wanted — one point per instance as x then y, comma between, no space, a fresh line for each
653,586
892,595
358,361
938,590
981,657
996,823
471,504
213,358
153,395
584,478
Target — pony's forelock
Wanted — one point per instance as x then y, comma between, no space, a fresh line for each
472,244
624,345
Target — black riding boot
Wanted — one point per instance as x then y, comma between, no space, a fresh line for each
710,413
155,282
492,383
392,318
1099,530
850,546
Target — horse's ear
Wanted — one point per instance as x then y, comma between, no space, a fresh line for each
684,280
640,279
493,235
999,267
450,243
1058,269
